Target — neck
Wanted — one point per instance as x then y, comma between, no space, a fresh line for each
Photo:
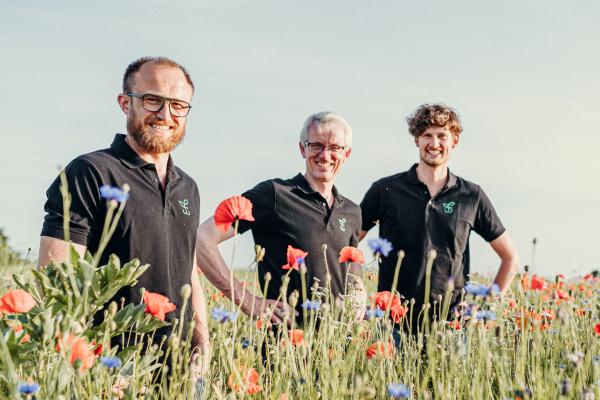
434,177
324,188
160,160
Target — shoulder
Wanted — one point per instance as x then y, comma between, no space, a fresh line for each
98,160
391,179
185,178
469,187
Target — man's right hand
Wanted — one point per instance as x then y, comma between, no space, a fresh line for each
268,309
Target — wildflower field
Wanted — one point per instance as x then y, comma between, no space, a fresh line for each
540,340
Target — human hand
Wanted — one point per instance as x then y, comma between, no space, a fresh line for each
272,310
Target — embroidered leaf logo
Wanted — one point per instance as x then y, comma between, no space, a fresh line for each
184,206
449,207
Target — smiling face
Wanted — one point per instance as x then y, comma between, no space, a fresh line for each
323,166
156,132
436,145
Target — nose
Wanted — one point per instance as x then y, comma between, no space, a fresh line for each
165,113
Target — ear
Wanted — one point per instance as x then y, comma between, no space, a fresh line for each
302,150
347,153
124,102
455,139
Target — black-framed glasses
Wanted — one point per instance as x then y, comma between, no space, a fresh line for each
155,103
317,147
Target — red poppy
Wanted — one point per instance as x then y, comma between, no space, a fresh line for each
383,349
351,254
98,348
588,277
295,257
525,281
454,324
158,305
537,283
385,299
296,336
397,311
232,209
560,294
78,349
249,381
18,328
597,328
16,301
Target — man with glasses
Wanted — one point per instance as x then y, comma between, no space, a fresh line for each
304,212
429,208
159,221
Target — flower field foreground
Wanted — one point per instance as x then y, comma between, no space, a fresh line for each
540,340
58,325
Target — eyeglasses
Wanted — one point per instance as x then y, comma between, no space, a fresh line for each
316,147
155,103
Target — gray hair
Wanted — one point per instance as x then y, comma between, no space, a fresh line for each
325,120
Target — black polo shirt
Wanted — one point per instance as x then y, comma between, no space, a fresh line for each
158,226
290,212
416,223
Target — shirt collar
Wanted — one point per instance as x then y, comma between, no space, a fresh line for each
302,184
130,158
414,179
126,154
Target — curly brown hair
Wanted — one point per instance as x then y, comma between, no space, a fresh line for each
438,115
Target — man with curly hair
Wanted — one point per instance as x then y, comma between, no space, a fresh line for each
429,208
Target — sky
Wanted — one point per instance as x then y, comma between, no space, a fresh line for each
522,74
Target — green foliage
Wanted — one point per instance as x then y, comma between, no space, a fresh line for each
8,256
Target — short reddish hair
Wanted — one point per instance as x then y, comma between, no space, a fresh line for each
436,115
137,64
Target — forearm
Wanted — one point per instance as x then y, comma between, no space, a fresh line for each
56,250
200,337
213,266
506,273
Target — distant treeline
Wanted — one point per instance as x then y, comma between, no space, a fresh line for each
8,255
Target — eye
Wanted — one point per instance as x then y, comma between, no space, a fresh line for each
335,148
152,100
316,146
179,105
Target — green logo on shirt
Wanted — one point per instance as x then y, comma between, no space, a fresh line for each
184,206
449,207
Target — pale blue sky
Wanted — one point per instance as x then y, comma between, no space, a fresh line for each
523,76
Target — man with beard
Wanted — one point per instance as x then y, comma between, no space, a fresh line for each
429,208
159,221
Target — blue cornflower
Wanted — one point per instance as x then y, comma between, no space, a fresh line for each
222,315
245,343
28,388
111,362
398,391
113,193
485,315
596,359
479,290
376,313
380,245
311,305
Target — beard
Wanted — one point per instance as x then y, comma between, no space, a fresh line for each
138,130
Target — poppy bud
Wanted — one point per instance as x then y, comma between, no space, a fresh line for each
186,291
112,308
